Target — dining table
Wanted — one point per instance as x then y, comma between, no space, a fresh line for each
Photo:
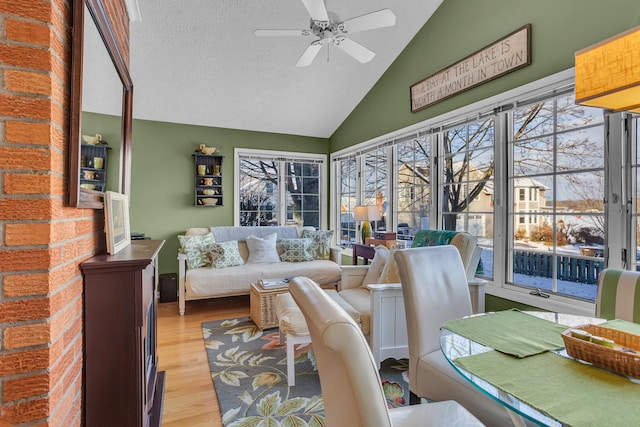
518,359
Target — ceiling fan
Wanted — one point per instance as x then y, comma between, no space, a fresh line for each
333,31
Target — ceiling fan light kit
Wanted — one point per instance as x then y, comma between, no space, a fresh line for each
332,31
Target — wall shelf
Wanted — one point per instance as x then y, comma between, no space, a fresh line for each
208,180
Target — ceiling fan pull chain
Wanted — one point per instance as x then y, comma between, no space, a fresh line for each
328,48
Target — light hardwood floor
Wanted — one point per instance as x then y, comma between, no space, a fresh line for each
189,398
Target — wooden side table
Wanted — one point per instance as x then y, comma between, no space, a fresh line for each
365,251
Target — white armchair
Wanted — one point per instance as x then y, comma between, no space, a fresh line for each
380,301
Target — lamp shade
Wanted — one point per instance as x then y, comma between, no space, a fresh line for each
366,213
608,73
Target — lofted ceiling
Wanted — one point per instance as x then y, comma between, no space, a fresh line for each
198,62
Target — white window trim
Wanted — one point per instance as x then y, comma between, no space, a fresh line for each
287,156
498,287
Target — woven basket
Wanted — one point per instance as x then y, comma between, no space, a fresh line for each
613,359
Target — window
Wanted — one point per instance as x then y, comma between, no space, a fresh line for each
526,175
467,168
347,178
634,193
274,190
413,185
557,148
374,179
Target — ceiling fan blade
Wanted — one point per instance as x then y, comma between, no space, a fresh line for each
370,21
317,9
354,49
309,55
281,33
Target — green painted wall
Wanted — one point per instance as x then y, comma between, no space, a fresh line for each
461,27
162,179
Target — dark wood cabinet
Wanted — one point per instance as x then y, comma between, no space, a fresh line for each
208,180
122,386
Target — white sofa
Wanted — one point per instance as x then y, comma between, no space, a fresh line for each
206,282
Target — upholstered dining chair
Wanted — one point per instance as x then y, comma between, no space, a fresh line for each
350,382
618,295
434,286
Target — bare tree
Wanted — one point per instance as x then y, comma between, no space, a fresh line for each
533,151
259,183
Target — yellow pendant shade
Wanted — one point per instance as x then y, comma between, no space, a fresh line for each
608,73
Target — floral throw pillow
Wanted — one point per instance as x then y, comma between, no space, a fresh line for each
295,250
197,249
320,242
225,254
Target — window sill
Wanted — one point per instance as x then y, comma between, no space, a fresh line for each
553,303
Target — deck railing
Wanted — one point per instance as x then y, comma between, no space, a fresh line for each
572,268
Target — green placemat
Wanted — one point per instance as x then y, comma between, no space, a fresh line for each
623,325
510,331
569,391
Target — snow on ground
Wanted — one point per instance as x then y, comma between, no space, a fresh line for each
575,289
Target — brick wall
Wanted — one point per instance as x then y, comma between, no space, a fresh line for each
42,241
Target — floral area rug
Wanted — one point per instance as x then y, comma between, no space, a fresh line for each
249,371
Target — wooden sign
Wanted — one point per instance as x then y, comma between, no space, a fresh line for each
504,56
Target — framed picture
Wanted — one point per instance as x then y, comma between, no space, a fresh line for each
116,219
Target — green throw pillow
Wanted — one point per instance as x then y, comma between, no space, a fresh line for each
197,249
225,254
320,242
295,250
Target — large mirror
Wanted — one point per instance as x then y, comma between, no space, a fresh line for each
102,94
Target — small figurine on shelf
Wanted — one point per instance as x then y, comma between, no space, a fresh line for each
94,140
206,150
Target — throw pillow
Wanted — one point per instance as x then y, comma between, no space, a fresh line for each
320,242
197,249
390,272
295,250
262,249
376,266
225,254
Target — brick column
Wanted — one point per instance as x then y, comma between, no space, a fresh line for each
42,241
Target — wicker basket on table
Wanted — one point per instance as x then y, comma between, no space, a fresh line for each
625,362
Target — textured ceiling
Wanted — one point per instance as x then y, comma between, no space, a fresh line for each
198,62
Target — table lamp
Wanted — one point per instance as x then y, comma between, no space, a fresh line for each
366,213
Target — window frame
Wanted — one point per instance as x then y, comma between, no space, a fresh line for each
282,157
549,86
